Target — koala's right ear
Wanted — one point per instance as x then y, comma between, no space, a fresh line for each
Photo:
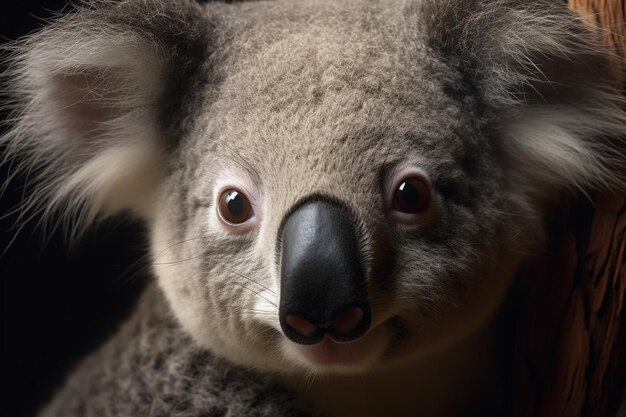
93,106
546,78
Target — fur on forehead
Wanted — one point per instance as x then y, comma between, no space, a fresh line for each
106,98
526,76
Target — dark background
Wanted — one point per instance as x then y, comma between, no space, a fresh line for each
59,300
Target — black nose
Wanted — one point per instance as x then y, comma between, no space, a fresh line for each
323,288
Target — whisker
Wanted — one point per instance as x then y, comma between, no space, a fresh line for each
255,282
177,261
255,292
175,244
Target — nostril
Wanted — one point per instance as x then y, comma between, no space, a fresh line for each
347,321
348,325
351,323
302,326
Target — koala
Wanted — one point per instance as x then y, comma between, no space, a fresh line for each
338,193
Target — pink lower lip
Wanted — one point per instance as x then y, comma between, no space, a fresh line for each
328,352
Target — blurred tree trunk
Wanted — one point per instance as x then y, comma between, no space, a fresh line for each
571,337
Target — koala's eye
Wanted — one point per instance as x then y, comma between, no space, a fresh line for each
411,196
234,207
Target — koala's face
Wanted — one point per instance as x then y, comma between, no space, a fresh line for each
335,207
330,185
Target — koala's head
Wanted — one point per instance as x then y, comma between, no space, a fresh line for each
328,184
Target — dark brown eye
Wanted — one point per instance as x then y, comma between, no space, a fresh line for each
234,207
411,196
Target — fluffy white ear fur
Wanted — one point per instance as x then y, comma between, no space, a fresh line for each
547,77
84,120
568,123
567,146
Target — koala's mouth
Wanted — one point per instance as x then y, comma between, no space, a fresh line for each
356,353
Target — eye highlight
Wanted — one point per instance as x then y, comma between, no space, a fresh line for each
411,196
234,207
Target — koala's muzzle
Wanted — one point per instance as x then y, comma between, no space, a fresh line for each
323,287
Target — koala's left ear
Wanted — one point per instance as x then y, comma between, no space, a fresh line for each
97,97
546,79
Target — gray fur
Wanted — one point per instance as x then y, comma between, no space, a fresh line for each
500,104
152,368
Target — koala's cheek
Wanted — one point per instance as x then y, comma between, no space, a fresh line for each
171,273
460,310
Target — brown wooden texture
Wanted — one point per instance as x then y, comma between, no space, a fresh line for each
610,17
571,342
606,295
